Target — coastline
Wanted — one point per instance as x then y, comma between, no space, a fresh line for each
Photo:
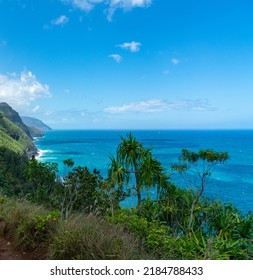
91,148
32,153
39,154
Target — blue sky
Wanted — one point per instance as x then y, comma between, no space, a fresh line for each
131,64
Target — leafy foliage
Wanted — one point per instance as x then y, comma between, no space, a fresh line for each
200,164
37,231
135,162
14,137
178,224
89,237
32,227
41,177
12,167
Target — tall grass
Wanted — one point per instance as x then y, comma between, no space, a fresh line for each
89,237
78,237
20,224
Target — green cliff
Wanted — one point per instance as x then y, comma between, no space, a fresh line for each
36,127
32,122
14,117
14,134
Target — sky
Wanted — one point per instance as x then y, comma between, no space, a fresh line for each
129,64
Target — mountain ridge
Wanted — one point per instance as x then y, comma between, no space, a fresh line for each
14,117
35,123
14,134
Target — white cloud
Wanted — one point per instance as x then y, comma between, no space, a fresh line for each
35,109
175,61
61,20
116,57
148,106
160,105
131,46
129,4
126,5
83,5
195,105
111,5
21,90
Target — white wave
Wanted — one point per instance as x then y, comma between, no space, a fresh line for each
41,153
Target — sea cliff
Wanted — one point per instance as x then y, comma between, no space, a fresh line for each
15,134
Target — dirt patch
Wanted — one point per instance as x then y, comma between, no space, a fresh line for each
9,252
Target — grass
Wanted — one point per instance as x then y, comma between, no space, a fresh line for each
89,237
78,237
18,216
7,128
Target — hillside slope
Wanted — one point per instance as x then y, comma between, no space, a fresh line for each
32,122
14,134
14,117
14,138
36,126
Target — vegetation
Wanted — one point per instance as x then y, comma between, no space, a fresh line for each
80,216
14,135
35,132
12,166
36,127
78,237
200,164
133,161
38,124
14,117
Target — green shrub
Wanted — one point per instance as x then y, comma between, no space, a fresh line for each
89,237
28,224
37,230
130,220
3,200
222,241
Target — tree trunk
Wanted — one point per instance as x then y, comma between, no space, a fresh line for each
139,196
138,188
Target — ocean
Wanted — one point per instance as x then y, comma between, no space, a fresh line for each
230,182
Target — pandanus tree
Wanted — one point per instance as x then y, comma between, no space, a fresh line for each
135,161
199,164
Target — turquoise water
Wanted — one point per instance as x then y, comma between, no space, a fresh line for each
230,182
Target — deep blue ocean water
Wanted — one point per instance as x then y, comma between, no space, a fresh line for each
230,182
